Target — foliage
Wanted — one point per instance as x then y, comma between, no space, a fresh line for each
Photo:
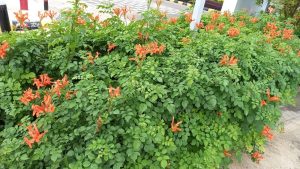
129,81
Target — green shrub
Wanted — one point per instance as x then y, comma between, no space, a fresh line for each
212,83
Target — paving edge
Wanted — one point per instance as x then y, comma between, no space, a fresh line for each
181,3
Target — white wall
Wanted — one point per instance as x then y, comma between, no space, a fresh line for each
248,5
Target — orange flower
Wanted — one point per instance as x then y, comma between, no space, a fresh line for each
111,46
188,17
270,26
233,32
117,11
254,20
47,104
214,16
241,24
90,57
263,103
21,18
124,11
209,27
231,19
287,34
94,18
175,127
227,154
299,53
114,92
105,23
272,98
140,50
28,142
173,20
233,61
80,21
226,14
44,80
221,26
37,110
28,96
35,135
266,132
51,14
42,15
225,60
3,49
257,156
60,84
199,25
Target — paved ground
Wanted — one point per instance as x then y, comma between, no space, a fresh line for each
284,151
136,6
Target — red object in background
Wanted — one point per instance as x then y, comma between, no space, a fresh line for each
24,4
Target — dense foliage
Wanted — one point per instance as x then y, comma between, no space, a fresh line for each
150,93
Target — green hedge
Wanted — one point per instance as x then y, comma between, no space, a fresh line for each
174,73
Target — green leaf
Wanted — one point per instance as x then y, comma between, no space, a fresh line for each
184,103
142,107
164,163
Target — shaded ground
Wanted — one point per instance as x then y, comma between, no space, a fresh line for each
283,152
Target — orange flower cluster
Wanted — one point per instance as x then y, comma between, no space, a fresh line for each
226,14
151,48
257,156
111,46
28,96
117,11
51,14
188,17
199,25
221,26
231,19
35,135
242,24
46,107
287,34
42,15
175,126
44,80
227,153
272,98
214,16
233,32
173,20
209,27
80,21
114,92
94,18
266,132
59,85
254,20
228,61
91,58
124,11
3,49
21,18
271,31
